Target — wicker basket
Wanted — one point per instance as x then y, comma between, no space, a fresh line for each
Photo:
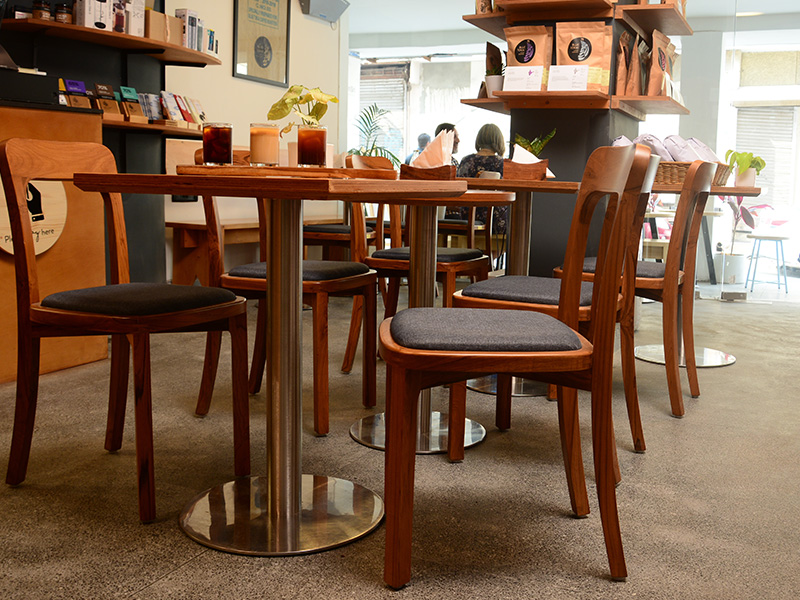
673,173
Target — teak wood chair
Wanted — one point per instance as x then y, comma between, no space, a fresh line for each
128,312
469,227
425,347
321,279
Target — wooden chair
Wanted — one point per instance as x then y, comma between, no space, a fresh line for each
321,279
469,227
128,312
425,347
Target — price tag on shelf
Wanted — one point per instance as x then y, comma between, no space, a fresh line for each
523,79
568,78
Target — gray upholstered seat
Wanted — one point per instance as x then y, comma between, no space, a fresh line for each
442,254
330,228
313,270
644,268
464,222
481,330
521,288
138,299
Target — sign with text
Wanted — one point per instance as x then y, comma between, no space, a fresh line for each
568,78
261,41
523,79
47,206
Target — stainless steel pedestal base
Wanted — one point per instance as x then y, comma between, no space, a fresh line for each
371,431
233,517
705,357
519,386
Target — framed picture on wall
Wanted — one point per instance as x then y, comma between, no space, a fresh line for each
261,41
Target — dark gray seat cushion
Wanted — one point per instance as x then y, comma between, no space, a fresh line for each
444,255
517,288
644,268
374,223
481,330
138,299
330,228
460,222
313,270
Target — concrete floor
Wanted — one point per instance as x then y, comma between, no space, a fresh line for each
707,512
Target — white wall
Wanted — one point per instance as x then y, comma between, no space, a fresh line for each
317,58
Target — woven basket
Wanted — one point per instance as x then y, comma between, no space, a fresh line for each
673,173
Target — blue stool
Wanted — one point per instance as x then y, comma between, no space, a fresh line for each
780,262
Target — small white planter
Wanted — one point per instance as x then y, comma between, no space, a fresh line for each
494,83
746,179
734,265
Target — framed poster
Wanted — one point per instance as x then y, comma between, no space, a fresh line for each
261,41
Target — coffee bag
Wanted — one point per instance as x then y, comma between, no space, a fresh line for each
586,43
624,53
659,74
530,46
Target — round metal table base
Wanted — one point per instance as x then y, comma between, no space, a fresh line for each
519,386
371,431
705,357
233,517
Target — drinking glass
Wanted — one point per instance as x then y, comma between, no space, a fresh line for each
311,145
217,144
264,144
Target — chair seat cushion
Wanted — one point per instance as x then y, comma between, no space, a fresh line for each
374,223
138,299
481,330
520,288
460,222
313,270
644,268
445,255
330,228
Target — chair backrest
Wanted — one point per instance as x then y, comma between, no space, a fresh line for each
354,161
682,249
618,176
24,160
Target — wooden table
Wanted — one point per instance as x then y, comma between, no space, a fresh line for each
288,512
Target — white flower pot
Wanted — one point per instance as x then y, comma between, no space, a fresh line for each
494,83
731,268
746,179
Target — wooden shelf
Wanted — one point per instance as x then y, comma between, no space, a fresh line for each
148,127
555,10
492,23
639,107
643,19
165,52
561,100
492,104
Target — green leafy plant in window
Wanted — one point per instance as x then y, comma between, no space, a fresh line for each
296,99
369,129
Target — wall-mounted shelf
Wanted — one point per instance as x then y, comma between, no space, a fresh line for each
640,106
561,100
492,104
541,10
180,132
667,18
163,51
492,23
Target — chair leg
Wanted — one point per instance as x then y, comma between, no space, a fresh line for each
603,446
629,380
369,383
210,366
401,445
687,325
143,411
320,349
352,336
392,296
448,289
502,415
669,325
241,402
457,415
117,392
569,428
259,350
25,409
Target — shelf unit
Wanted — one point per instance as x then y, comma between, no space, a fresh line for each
178,132
163,51
642,19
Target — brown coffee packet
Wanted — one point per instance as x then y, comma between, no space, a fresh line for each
483,7
624,53
530,46
586,43
659,71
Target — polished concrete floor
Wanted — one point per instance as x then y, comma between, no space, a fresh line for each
707,512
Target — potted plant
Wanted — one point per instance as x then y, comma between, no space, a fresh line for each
535,145
495,70
311,136
733,264
745,166
369,128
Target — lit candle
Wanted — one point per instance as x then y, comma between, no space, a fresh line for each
264,144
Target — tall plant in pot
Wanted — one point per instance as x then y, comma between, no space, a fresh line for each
369,129
735,265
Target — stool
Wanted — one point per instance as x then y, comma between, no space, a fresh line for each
779,258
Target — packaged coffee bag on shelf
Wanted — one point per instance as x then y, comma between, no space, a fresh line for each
530,46
483,7
659,74
586,43
624,53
